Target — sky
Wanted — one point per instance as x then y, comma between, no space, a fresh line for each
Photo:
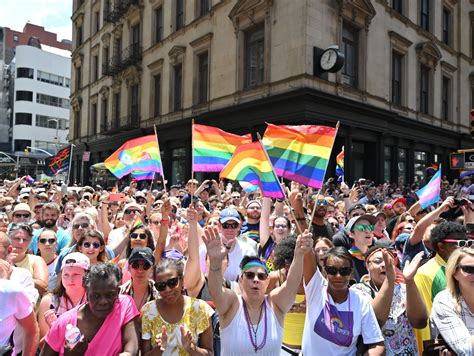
54,15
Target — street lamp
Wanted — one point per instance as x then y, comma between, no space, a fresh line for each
57,129
39,149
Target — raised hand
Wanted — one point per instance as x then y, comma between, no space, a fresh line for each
304,243
191,214
411,267
162,339
186,338
215,248
389,267
166,208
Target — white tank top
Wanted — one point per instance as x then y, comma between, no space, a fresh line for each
235,338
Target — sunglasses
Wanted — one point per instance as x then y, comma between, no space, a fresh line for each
251,275
141,201
81,225
361,227
171,283
95,245
131,211
411,221
21,215
230,226
136,236
155,222
460,243
145,266
24,227
467,269
321,202
281,226
49,241
334,271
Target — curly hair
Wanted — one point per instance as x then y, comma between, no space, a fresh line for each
102,271
443,230
284,252
169,263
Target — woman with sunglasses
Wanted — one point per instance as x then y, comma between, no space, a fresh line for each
47,245
140,287
398,306
453,308
252,322
175,324
91,243
338,315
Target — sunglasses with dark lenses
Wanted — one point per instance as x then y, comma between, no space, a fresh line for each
460,243
82,225
155,222
467,269
171,283
334,271
141,201
145,266
362,227
230,226
281,226
136,236
260,275
94,245
21,216
131,211
50,241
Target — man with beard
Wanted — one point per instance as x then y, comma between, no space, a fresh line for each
48,218
399,206
319,225
251,227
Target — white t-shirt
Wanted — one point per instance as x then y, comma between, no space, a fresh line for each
355,311
115,235
19,307
52,276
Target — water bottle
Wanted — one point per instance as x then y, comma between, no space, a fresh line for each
73,335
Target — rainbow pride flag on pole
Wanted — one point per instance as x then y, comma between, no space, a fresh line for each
250,163
213,147
430,193
340,163
300,153
140,154
139,175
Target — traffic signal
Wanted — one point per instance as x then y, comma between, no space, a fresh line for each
472,124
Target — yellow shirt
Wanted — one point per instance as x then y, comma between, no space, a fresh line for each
294,325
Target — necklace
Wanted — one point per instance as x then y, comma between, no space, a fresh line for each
254,331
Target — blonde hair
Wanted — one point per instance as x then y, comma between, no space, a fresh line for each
452,266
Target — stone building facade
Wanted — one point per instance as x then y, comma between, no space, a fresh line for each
403,97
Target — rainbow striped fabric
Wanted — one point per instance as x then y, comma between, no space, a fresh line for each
140,154
340,163
430,193
139,175
300,153
250,163
213,147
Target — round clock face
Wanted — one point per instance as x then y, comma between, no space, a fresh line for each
328,59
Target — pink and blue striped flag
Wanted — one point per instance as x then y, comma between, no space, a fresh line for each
430,193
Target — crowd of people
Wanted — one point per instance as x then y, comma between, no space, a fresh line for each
207,268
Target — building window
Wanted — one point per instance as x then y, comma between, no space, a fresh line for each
421,161
402,165
49,122
350,47
15,38
105,60
105,110
134,103
95,68
397,78
50,78
23,95
445,98
52,101
96,21
446,26
387,164
203,77
178,165
116,113
397,5
77,124
136,34
254,56
21,145
78,78
179,14
47,146
158,24
203,7
106,10
24,73
156,95
424,88
22,118
177,92
78,36
425,14
93,123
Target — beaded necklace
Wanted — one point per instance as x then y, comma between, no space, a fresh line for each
254,331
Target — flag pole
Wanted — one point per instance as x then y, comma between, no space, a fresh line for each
324,176
192,158
300,230
70,164
162,173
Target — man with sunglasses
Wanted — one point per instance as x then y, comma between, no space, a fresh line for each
21,214
342,238
320,226
130,212
251,225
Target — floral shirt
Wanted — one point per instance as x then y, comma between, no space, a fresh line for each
397,331
196,318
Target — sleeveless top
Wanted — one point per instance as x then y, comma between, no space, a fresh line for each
235,337
27,263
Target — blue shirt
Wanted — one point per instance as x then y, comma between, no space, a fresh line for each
63,240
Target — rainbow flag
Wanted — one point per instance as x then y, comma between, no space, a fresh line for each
139,175
430,193
340,163
140,154
213,147
300,153
250,163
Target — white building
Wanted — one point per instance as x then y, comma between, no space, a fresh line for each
41,107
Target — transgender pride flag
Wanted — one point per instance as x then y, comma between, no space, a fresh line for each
429,194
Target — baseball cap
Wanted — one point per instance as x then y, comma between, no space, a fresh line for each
377,213
357,206
22,207
380,244
398,200
76,259
370,218
142,254
229,214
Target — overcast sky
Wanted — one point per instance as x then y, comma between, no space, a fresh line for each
54,15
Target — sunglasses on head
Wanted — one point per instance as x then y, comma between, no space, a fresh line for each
171,283
21,215
460,243
22,226
81,225
135,236
260,275
334,271
49,241
362,227
145,266
94,245
131,211
230,226
467,269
